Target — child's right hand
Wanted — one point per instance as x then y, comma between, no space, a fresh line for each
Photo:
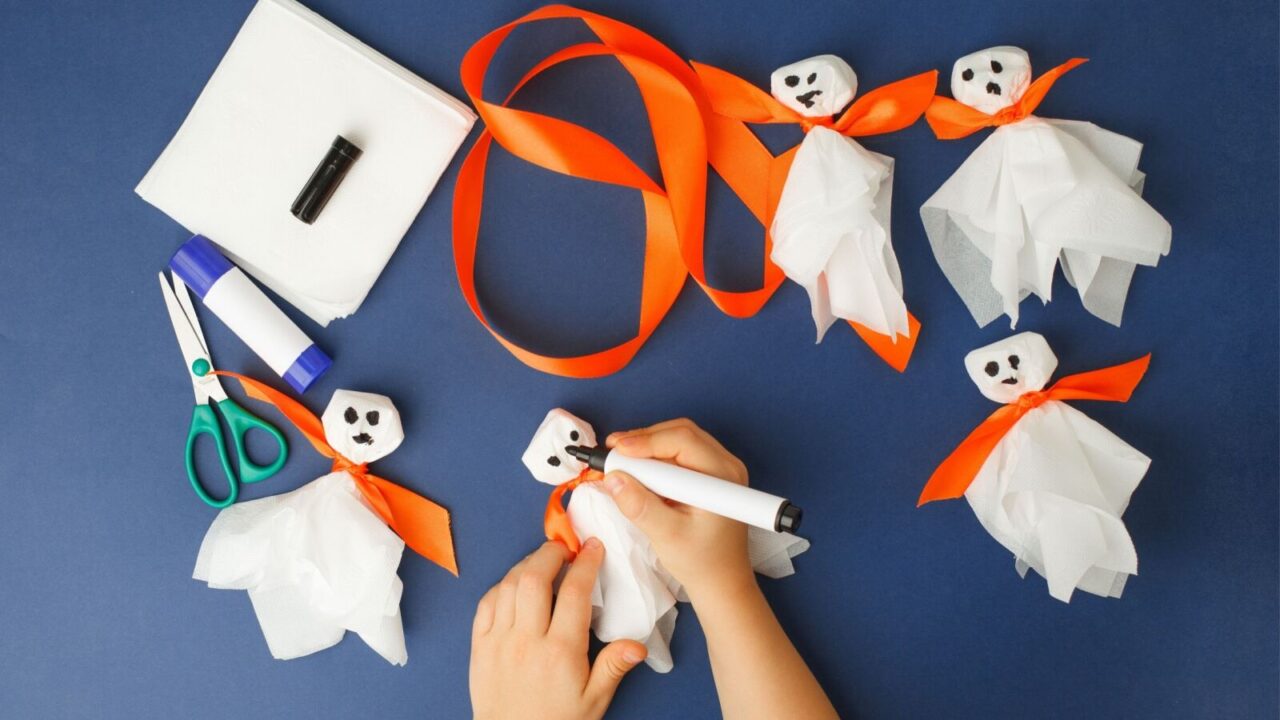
707,553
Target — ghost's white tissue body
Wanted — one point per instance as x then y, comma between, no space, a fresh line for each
1053,491
831,234
317,562
1037,193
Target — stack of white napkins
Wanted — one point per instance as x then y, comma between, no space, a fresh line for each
288,85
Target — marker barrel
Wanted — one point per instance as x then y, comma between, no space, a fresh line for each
232,296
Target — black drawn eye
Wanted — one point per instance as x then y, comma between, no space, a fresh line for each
372,416
792,80
812,77
1013,361
992,368
967,75
573,435
996,67
351,416
553,461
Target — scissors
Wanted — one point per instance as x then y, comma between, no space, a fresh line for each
207,387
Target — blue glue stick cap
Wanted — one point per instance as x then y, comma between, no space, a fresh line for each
308,368
199,264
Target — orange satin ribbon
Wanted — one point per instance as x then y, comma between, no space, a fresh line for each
951,119
957,472
757,176
555,521
422,524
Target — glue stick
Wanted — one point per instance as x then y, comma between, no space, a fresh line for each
232,296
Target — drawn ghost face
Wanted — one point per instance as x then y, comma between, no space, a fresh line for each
546,457
362,426
992,79
818,87
1005,370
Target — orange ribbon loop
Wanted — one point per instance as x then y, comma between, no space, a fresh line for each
421,523
951,119
957,472
555,521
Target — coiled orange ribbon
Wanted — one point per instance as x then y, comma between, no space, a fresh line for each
957,472
951,119
421,523
681,119
555,521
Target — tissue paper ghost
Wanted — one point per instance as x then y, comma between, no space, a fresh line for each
322,560
634,597
1035,193
829,199
1047,482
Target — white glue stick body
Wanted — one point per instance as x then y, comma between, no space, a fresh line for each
232,296
713,494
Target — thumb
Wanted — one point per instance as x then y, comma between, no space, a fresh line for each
649,513
612,664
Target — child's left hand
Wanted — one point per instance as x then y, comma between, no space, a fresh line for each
530,661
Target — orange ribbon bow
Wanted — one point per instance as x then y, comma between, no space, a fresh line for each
757,176
555,521
951,119
421,523
957,472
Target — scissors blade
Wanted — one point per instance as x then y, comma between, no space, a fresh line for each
189,340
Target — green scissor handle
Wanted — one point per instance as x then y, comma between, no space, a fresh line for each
205,422
241,421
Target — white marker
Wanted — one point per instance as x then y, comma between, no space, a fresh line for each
232,296
713,494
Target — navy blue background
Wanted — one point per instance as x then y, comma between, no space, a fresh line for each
901,612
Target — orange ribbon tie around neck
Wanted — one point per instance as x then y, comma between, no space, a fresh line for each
556,521
951,119
757,176
957,472
421,523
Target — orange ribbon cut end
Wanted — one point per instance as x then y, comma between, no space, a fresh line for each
951,119
422,524
957,472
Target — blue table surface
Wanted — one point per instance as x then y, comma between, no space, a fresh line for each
901,612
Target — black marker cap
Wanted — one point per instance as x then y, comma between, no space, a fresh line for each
325,180
788,519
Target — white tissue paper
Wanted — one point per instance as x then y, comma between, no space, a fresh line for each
1035,193
318,561
831,229
634,597
290,82
1053,490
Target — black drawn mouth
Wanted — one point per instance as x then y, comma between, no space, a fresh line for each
993,89
807,98
1010,381
363,438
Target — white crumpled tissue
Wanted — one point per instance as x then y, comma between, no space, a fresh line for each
318,561
288,85
1035,193
831,228
634,597
1053,490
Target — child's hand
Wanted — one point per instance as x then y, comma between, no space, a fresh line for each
707,553
528,661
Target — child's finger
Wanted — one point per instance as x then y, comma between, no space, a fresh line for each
572,615
611,665
687,447
533,587
646,510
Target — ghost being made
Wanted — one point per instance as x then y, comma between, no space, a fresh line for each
831,228
1054,483
1037,193
634,596
320,560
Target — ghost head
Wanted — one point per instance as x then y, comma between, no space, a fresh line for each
818,87
992,79
362,426
546,456
1003,371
